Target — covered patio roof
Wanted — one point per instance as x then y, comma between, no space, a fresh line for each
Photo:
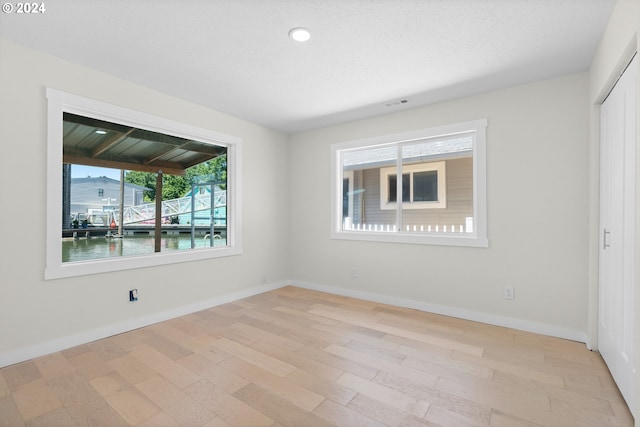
94,142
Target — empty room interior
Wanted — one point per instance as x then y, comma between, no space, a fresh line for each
316,213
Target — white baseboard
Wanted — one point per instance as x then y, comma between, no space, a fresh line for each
476,316
64,343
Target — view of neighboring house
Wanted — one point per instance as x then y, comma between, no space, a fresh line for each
437,186
92,194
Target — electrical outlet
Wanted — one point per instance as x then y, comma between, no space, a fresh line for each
354,272
509,293
133,295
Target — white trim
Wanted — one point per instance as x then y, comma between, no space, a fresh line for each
476,316
450,239
31,352
63,343
479,237
60,102
414,135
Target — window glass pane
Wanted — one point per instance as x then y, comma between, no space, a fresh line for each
393,188
425,186
130,152
406,187
345,197
441,185
104,217
361,207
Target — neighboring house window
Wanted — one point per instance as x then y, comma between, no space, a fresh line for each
423,186
173,189
347,198
439,199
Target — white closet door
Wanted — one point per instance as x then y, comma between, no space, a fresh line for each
617,231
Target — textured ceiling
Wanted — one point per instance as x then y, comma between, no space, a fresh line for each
235,55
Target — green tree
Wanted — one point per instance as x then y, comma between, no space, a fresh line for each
174,186
212,170
144,179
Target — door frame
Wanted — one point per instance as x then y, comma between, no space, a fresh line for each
601,86
618,217
594,195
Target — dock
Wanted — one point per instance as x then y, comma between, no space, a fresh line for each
141,230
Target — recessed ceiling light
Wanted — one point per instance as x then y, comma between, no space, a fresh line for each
300,34
101,132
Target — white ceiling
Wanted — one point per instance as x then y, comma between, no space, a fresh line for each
235,55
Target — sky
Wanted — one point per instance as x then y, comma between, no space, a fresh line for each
82,171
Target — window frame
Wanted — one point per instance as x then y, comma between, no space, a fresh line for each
59,102
438,166
477,238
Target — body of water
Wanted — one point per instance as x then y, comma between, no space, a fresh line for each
101,247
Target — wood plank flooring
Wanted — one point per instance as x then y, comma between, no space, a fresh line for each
294,357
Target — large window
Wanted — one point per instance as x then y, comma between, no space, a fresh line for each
439,199
126,189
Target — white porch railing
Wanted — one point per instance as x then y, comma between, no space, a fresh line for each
419,228
147,211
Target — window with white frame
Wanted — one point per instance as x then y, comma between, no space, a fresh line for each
423,186
151,191
440,198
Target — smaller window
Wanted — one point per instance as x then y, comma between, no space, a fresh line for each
426,186
423,186
100,192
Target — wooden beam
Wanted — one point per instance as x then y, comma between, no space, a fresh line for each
164,153
166,166
174,169
110,142
204,148
205,151
162,138
199,160
158,225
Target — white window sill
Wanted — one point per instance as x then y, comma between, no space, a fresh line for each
81,268
441,239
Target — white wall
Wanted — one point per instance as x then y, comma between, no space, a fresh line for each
617,45
537,162
40,316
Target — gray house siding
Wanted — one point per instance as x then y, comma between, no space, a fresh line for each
86,194
459,179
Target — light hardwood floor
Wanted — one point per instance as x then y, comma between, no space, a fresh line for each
294,357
